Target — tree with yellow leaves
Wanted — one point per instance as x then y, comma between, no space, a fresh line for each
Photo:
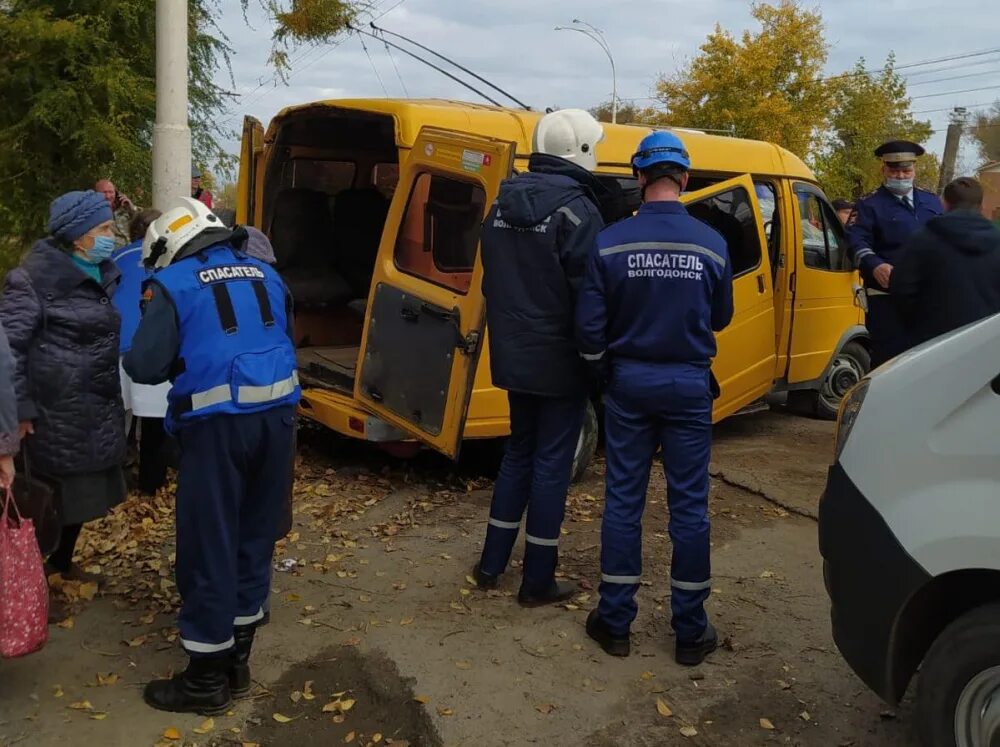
765,85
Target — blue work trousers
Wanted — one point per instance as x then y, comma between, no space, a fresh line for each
535,474
232,488
649,406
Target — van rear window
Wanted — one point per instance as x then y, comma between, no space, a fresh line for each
329,177
439,235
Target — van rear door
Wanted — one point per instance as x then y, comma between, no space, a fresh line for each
251,149
425,321
744,366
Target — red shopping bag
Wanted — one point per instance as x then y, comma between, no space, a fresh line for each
24,590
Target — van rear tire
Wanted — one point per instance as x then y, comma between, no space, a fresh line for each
485,457
586,445
959,686
849,366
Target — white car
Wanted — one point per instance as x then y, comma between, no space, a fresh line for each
910,533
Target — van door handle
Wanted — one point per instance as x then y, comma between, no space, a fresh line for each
760,283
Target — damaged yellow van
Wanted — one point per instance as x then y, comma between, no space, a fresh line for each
374,209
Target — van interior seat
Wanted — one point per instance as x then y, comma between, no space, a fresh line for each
359,217
304,248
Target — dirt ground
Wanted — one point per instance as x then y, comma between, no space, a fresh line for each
378,637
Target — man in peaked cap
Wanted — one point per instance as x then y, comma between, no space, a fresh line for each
883,222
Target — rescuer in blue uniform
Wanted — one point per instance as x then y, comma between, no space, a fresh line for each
217,324
658,286
883,221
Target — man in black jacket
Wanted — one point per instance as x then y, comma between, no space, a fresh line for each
950,272
535,243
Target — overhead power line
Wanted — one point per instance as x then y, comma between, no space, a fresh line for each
952,77
955,93
440,56
918,63
429,64
327,48
953,106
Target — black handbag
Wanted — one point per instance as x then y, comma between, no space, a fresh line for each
37,499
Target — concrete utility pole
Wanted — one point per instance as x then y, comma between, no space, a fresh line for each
171,134
951,143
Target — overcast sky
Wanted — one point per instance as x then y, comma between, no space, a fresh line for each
512,43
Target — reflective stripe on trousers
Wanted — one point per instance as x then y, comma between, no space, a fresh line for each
645,408
534,476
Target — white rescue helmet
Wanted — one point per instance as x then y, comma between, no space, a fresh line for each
177,227
572,134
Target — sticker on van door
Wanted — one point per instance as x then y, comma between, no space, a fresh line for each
473,161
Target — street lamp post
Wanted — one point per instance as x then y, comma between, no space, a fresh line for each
598,36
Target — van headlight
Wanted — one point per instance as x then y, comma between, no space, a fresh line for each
850,406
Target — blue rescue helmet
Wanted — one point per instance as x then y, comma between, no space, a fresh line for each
660,147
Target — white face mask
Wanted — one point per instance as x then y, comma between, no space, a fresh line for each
899,186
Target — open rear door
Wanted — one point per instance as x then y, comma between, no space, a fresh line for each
246,187
744,366
424,326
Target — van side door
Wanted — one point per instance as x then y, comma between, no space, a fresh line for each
744,366
824,308
425,321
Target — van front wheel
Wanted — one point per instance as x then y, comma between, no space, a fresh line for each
849,366
586,445
958,694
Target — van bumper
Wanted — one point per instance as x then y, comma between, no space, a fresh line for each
869,577
341,414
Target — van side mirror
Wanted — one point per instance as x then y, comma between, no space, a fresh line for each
995,384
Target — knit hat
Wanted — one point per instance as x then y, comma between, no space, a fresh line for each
258,246
74,213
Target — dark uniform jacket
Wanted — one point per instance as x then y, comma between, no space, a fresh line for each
883,224
535,244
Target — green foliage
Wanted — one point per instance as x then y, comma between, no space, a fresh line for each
867,109
77,78
78,93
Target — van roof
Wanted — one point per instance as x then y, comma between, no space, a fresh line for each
709,153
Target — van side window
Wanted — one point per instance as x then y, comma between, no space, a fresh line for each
731,214
767,198
329,177
439,234
824,243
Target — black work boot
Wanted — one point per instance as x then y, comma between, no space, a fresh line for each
558,591
202,688
485,581
239,675
612,644
693,653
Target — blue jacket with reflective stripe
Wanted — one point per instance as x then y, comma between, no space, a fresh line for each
234,353
657,286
